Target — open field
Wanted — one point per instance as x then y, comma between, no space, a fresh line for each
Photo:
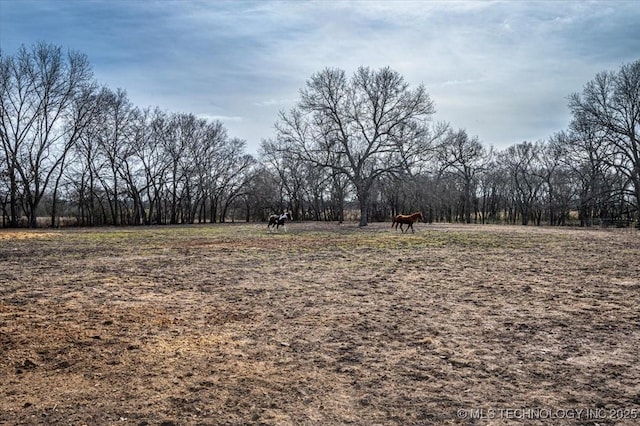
326,324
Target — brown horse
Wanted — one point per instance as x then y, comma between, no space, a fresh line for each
408,219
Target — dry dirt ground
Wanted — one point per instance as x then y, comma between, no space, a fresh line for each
326,324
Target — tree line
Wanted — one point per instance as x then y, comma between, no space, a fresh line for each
362,147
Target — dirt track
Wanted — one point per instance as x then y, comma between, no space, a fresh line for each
327,324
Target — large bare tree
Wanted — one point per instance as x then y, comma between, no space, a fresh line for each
610,106
42,95
364,127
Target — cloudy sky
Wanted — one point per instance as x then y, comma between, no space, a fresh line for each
502,70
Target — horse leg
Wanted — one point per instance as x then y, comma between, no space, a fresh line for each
272,224
411,226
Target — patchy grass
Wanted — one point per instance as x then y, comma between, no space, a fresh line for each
326,324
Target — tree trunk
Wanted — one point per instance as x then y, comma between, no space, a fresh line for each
13,200
363,199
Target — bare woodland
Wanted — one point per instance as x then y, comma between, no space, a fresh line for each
79,153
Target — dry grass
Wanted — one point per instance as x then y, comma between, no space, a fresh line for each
327,324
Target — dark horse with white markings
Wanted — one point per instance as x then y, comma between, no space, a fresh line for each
276,221
406,219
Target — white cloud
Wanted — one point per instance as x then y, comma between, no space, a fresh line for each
220,117
275,102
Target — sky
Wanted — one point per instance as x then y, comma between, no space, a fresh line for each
501,70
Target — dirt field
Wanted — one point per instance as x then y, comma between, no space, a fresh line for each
326,324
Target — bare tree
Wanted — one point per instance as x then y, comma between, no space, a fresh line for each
464,156
114,135
82,111
37,94
488,181
363,128
292,171
87,173
233,170
610,105
521,162
149,165
557,180
262,192
586,155
177,138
